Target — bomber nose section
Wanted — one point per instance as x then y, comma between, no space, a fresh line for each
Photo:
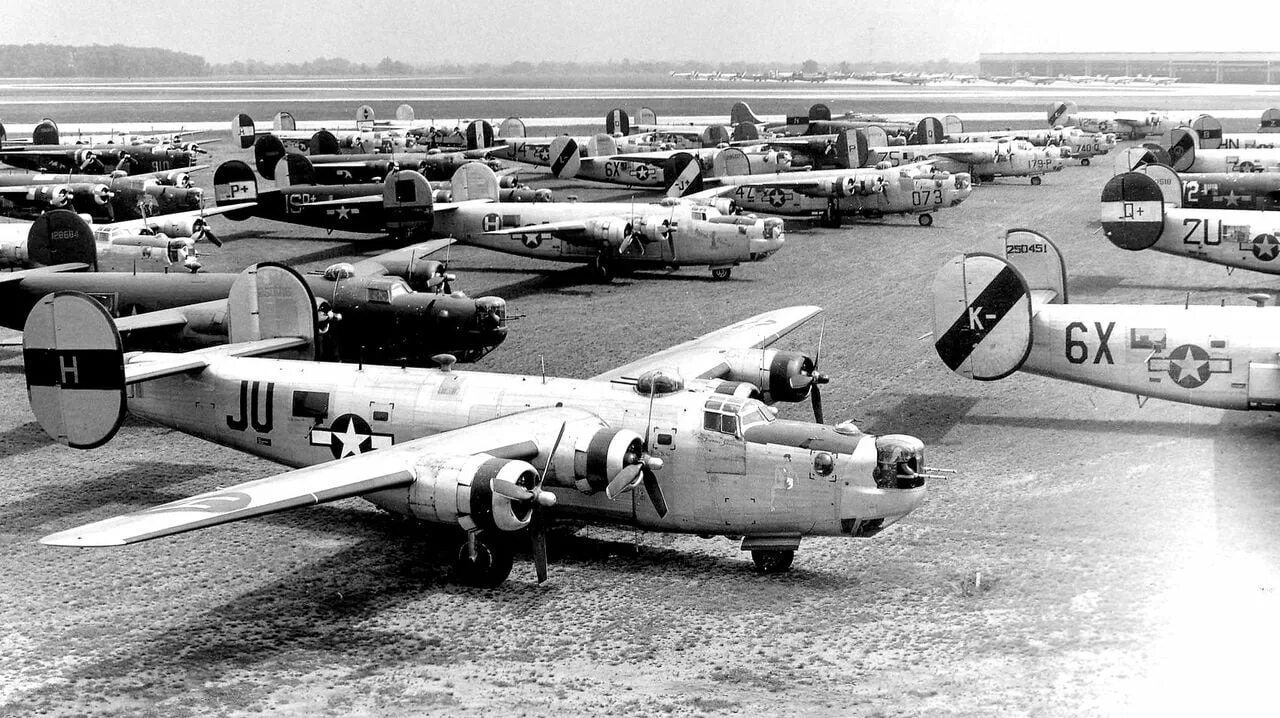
962,187
899,477
769,240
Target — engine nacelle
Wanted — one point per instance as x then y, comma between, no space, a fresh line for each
598,457
53,195
774,372
612,231
869,185
458,490
176,226
724,205
740,389
837,186
424,274
99,193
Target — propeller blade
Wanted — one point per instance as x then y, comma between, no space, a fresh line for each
624,480
538,536
510,490
654,490
208,234
816,396
551,454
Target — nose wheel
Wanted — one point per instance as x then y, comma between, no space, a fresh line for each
1036,180
483,561
926,220
1084,161
772,560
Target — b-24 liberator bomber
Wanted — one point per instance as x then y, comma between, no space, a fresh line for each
818,121
984,161
998,313
610,236
1126,124
396,308
105,197
831,195
1143,210
50,156
334,167
680,441
1078,143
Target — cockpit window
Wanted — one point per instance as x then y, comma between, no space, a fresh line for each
731,414
378,294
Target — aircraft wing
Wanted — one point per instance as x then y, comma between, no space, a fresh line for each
144,223
510,437
959,154
19,275
557,228
701,357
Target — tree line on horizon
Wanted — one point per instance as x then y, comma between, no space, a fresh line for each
125,61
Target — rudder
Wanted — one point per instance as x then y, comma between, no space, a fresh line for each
60,236
74,363
981,317
268,150
269,301
1132,211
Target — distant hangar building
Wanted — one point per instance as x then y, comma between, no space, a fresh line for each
1241,67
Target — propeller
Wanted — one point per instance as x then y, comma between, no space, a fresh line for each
814,379
539,499
640,469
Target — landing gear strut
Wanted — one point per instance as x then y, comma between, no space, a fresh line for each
926,220
772,560
602,269
483,561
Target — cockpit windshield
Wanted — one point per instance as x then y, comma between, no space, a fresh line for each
734,415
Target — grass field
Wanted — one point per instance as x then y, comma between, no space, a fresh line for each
1091,558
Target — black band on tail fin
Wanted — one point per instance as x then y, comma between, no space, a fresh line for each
75,369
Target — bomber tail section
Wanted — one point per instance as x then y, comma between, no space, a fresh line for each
242,129
298,170
479,135
682,174
74,363
233,183
474,181
1132,211
408,200
617,122
741,112
61,237
46,133
565,160
272,301
929,131
981,317
268,150
1040,263
324,142
284,122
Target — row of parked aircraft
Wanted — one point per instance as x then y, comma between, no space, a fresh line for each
922,78
652,443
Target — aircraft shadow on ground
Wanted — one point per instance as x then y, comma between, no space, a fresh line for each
21,439
1098,426
318,610
1106,283
140,485
1246,452
928,417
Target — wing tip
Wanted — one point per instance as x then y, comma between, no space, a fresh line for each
76,538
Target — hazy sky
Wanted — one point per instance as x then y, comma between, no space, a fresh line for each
709,32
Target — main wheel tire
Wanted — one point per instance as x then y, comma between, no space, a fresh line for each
602,270
926,220
1084,161
1036,180
773,560
721,273
489,568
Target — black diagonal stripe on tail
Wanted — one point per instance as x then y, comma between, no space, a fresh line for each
995,301
557,165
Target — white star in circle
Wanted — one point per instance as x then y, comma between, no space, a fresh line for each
1187,370
351,440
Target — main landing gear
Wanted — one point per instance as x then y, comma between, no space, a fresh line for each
602,269
483,561
1036,180
1084,161
773,560
926,220
721,273
830,217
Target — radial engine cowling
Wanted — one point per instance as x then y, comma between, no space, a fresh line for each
780,375
836,186
424,274
612,231
598,457
176,226
459,490
53,195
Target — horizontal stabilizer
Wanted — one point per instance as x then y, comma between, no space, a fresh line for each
21,274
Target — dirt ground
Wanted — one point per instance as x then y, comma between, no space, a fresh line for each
1091,558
